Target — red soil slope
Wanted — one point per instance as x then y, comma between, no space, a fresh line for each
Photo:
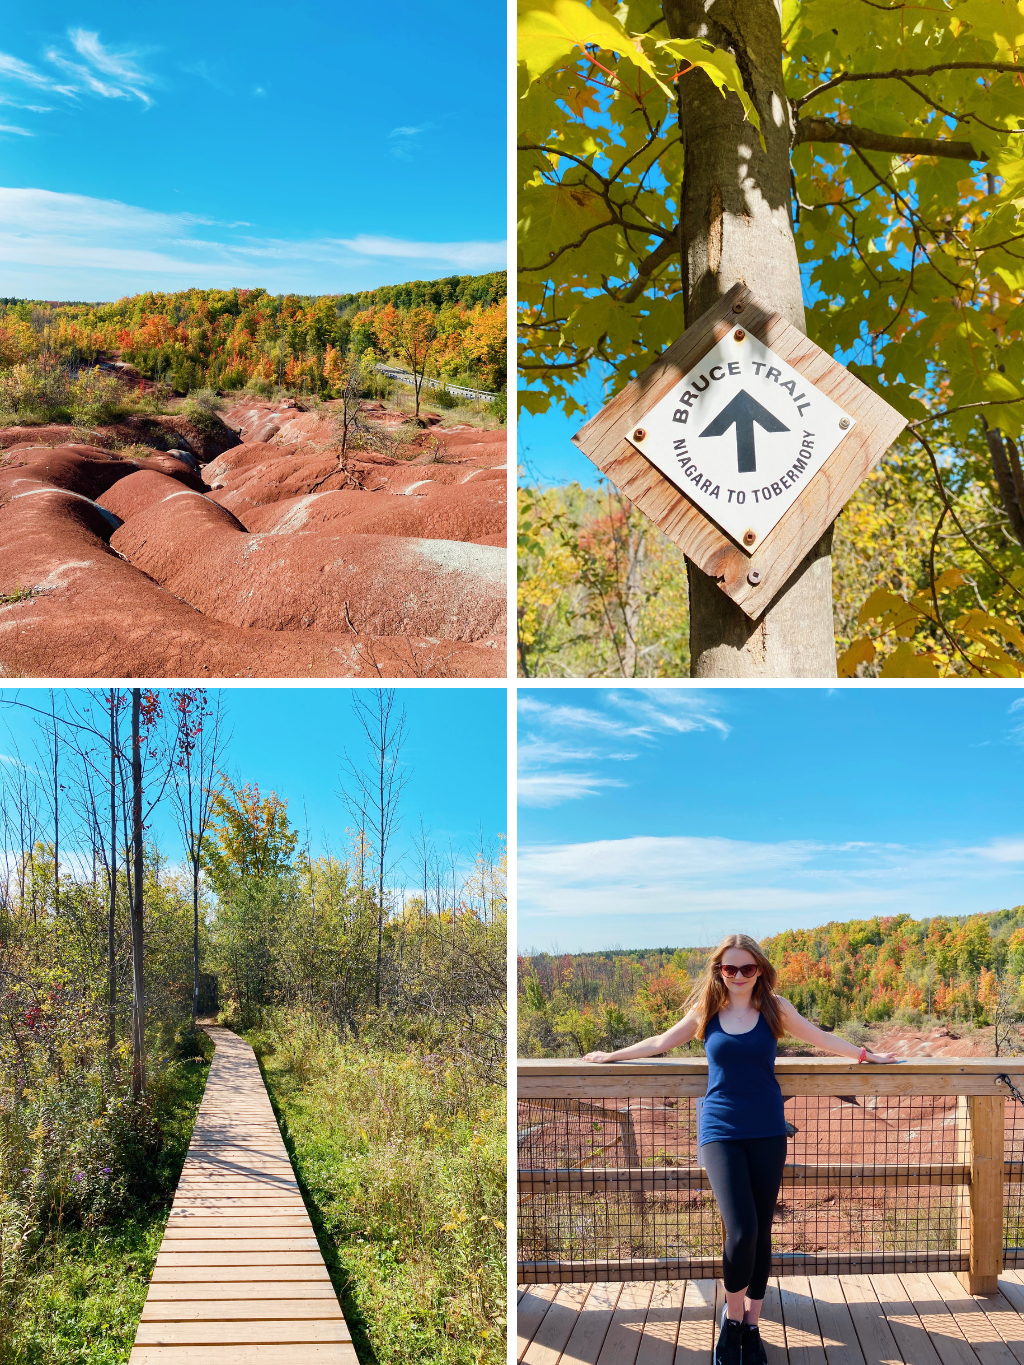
271,560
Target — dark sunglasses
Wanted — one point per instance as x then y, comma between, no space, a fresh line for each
748,969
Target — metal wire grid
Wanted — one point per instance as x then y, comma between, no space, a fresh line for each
1013,1191
841,1223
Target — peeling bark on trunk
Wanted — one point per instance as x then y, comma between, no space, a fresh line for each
735,226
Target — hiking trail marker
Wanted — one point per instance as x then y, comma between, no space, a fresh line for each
742,442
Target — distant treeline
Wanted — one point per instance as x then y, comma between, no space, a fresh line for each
966,968
234,338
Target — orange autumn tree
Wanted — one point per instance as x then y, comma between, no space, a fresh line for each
410,335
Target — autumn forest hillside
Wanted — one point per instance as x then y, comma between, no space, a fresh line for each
246,338
966,969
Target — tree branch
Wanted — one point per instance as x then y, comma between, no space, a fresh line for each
666,248
899,75
826,130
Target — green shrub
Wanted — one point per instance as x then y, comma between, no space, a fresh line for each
498,407
444,398
401,1153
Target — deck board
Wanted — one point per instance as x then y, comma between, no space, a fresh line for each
239,1278
909,1319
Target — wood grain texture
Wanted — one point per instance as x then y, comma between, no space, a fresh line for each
820,502
849,1320
703,1267
239,1276
986,1114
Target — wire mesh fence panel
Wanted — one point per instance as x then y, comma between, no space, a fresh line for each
1013,1190
613,1188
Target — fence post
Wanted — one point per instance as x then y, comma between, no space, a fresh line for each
986,1116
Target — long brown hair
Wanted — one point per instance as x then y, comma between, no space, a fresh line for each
711,992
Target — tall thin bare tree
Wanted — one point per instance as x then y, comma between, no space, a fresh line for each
373,791
197,754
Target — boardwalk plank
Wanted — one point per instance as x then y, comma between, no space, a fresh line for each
532,1309
238,1333
869,1322
838,1335
240,1310
239,1278
661,1330
773,1332
973,1321
950,1343
584,1346
622,1340
803,1336
553,1331
695,1341
311,1353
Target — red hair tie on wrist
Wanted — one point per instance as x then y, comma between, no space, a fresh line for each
863,1055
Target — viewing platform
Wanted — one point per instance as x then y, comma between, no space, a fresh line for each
897,1238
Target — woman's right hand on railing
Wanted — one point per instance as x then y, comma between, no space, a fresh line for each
597,1056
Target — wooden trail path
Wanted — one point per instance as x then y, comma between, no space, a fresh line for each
239,1279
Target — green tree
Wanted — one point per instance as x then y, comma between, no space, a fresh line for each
250,837
881,159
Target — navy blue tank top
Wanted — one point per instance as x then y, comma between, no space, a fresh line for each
743,1098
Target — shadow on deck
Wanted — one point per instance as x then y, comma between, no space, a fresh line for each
907,1319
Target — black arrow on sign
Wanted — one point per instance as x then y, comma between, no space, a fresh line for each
743,411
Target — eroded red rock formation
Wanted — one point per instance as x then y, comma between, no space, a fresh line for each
276,558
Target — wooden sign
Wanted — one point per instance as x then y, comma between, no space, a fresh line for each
742,443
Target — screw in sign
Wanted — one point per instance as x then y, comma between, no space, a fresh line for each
742,435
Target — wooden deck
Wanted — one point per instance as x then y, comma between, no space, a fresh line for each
822,1320
239,1279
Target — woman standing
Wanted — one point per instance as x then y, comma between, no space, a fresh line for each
742,1137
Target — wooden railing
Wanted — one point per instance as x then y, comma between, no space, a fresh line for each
613,1100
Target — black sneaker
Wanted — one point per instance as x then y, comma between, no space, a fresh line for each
753,1347
729,1350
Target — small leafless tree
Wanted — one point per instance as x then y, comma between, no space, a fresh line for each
197,755
372,792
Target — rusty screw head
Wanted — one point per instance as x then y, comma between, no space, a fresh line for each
739,334
844,422
737,308
749,537
639,434
754,577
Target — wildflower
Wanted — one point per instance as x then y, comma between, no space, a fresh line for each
77,1175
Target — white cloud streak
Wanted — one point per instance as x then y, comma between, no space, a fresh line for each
124,77
689,890
74,246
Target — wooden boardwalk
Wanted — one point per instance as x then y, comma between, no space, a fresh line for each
823,1320
239,1279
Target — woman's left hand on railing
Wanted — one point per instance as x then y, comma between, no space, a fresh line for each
886,1057
597,1056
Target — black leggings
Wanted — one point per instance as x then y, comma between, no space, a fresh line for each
745,1176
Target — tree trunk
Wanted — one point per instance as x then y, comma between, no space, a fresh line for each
735,226
112,907
195,938
138,980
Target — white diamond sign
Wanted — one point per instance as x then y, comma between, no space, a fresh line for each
742,434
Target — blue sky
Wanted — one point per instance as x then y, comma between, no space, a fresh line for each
289,740
315,148
671,816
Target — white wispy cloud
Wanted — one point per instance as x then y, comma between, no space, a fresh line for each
75,246
465,255
546,775
99,71
683,889
11,128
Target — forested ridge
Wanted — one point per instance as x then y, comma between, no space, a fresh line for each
230,338
967,969
371,986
